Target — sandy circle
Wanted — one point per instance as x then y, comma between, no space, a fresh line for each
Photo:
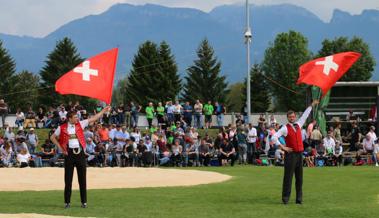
43,179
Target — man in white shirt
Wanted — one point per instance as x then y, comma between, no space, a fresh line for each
73,144
367,145
372,133
329,143
63,114
293,162
198,107
120,138
251,141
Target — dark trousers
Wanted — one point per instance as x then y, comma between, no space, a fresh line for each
231,157
150,122
2,119
79,161
204,159
188,120
293,163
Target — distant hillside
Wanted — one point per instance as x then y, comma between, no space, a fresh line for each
127,26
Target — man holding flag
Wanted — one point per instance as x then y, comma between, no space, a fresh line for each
92,78
324,73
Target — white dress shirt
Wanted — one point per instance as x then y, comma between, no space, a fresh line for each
329,144
252,135
72,143
284,131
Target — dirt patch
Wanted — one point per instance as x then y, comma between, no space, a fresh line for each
43,179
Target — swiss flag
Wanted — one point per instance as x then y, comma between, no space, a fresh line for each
325,72
92,78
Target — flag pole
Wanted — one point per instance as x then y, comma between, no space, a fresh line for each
248,36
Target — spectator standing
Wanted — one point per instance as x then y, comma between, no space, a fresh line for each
128,116
121,114
219,111
62,113
3,111
242,146
272,121
337,154
337,133
150,114
251,142
187,113
178,109
135,110
198,107
160,114
208,112
354,137
316,137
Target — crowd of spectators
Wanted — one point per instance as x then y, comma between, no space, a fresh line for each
172,138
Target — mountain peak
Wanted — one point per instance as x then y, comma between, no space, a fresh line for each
127,26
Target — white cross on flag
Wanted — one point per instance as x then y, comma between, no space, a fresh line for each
92,78
325,72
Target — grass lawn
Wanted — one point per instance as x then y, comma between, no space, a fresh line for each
253,192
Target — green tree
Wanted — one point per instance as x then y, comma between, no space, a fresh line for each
363,68
153,76
171,81
281,63
259,91
7,71
203,80
119,92
25,90
234,99
61,60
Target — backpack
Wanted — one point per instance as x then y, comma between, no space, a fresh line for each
347,161
320,163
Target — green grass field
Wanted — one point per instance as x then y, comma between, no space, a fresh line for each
253,192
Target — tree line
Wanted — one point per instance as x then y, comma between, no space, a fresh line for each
154,75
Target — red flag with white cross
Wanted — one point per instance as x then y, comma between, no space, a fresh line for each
325,72
92,78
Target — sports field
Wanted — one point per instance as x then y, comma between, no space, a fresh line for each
252,192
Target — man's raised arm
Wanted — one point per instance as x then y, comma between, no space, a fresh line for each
306,113
99,115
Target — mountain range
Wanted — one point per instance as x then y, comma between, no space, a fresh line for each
127,26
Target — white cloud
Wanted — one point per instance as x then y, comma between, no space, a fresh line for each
40,17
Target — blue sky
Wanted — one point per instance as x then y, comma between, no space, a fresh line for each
40,17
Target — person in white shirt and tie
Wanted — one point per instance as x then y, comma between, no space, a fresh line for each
73,145
293,163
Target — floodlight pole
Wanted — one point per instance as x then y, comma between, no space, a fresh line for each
248,40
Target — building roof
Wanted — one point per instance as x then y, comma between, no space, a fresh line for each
362,83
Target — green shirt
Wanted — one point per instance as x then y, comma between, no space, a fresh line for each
208,109
173,127
149,112
160,110
153,129
170,140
